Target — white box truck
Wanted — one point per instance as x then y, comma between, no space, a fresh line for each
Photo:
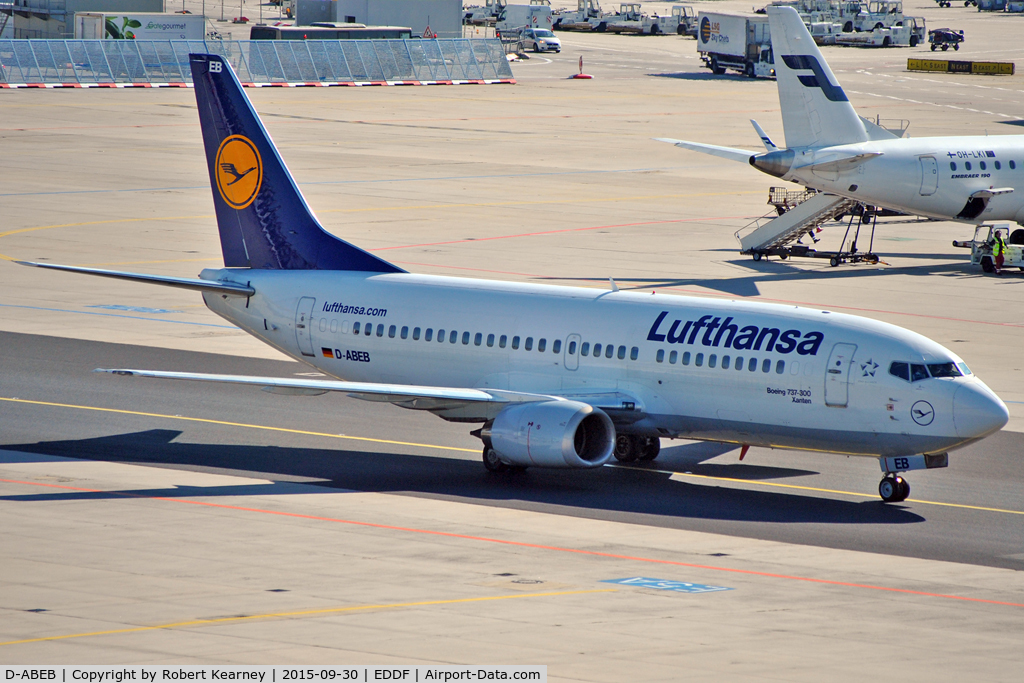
515,17
139,26
732,41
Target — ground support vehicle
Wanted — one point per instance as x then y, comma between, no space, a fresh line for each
580,20
631,19
540,40
732,41
524,16
945,38
910,31
686,20
485,15
947,3
825,32
879,14
983,244
991,5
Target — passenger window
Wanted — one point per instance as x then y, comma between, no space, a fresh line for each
478,339
901,370
490,340
952,165
739,362
528,346
355,328
584,348
452,336
698,360
556,347
609,350
712,361
780,367
572,348
415,334
686,357
405,332
323,324
368,329
660,356
967,165
622,353
943,370
465,338
752,365
380,330
515,342
344,327
998,165
672,357
429,334
725,362
597,350
541,345
766,365
634,353
918,372
334,327
1013,164
794,367
981,164
391,332
502,341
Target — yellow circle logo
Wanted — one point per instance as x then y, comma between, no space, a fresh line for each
239,171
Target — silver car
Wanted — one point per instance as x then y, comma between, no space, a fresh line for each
541,40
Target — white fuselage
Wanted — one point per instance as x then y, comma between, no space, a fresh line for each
740,372
933,177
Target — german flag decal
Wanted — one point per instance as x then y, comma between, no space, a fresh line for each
328,353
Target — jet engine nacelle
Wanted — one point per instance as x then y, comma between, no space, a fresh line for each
552,434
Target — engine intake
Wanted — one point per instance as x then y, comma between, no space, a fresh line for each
566,434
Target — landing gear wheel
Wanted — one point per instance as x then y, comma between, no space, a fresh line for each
626,448
893,489
492,462
650,447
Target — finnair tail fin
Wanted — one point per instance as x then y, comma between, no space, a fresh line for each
263,219
815,110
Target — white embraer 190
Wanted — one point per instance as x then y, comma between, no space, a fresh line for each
557,376
832,149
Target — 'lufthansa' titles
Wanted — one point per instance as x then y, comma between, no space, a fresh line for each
715,332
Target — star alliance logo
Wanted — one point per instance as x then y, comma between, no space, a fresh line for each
868,369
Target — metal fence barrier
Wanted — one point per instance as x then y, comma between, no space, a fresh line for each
154,63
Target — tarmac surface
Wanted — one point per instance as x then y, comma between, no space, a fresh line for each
147,521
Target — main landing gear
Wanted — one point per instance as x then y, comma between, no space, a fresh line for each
893,489
629,448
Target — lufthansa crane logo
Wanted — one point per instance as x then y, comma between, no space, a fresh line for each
923,413
239,171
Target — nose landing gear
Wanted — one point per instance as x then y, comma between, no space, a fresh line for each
893,489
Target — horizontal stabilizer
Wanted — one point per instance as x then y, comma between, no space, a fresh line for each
839,163
216,286
730,153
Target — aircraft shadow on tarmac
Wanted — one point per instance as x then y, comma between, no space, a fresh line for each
600,494
777,271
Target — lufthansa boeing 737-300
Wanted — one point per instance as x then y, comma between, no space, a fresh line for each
557,376
830,148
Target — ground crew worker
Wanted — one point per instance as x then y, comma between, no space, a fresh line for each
999,250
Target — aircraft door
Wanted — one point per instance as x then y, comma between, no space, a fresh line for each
929,176
572,352
837,375
303,318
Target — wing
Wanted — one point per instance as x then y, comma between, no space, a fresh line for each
450,403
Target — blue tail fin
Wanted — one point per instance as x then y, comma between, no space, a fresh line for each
263,219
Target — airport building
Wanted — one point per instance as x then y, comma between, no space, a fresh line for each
443,17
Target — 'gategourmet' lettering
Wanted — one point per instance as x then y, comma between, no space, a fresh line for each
713,331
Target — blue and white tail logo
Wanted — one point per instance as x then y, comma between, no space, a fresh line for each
819,79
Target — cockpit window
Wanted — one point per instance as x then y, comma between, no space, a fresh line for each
901,370
944,370
915,372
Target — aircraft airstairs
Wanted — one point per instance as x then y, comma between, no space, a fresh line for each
799,214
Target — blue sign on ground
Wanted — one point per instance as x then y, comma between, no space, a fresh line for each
660,584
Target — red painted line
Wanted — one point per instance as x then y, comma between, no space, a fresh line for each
523,544
555,232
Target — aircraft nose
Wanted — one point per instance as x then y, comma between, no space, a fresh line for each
977,411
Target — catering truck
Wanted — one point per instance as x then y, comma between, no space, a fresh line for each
732,41
139,26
